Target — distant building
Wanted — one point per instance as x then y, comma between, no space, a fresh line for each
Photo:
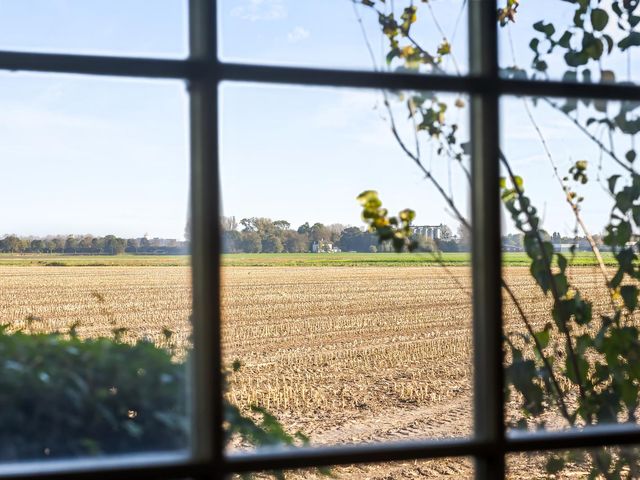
512,248
563,247
434,232
324,247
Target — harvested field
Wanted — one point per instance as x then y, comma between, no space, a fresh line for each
99,299
344,354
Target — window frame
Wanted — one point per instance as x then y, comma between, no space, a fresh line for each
204,72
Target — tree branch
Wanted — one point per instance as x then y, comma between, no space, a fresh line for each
554,289
574,207
583,129
545,360
421,166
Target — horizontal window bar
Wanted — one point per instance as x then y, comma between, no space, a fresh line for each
151,466
157,466
470,84
95,65
345,78
597,436
159,68
269,459
306,457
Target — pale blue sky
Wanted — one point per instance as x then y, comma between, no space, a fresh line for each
95,155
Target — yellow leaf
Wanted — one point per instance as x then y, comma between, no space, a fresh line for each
444,48
407,51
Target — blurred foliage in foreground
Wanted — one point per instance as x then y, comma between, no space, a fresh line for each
62,396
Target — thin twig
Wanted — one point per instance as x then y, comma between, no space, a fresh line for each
424,170
364,34
457,23
583,129
444,36
438,258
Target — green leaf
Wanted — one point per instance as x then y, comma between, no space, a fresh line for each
543,337
629,295
630,156
616,8
570,105
554,464
612,182
629,393
635,210
369,197
610,43
541,66
548,29
624,233
592,46
633,40
562,285
576,59
607,76
570,76
521,374
562,262
617,279
517,180
565,39
583,367
407,215
599,19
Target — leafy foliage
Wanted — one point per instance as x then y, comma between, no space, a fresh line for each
66,397
397,230
62,396
582,366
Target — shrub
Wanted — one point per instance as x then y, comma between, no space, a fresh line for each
62,396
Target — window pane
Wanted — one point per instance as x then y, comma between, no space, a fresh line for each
461,468
572,328
336,335
573,41
412,36
604,462
100,27
95,208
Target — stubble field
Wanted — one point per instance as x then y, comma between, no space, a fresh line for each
344,354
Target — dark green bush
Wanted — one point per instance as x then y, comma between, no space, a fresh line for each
63,397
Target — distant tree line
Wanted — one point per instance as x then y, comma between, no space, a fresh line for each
263,235
515,241
91,245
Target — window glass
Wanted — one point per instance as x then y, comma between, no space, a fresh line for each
94,267
586,41
425,37
570,261
335,334
100,27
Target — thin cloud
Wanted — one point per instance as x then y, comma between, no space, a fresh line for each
298,34
254,10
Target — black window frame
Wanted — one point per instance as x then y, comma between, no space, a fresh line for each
204,72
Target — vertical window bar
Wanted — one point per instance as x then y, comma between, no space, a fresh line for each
207,413
486,251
